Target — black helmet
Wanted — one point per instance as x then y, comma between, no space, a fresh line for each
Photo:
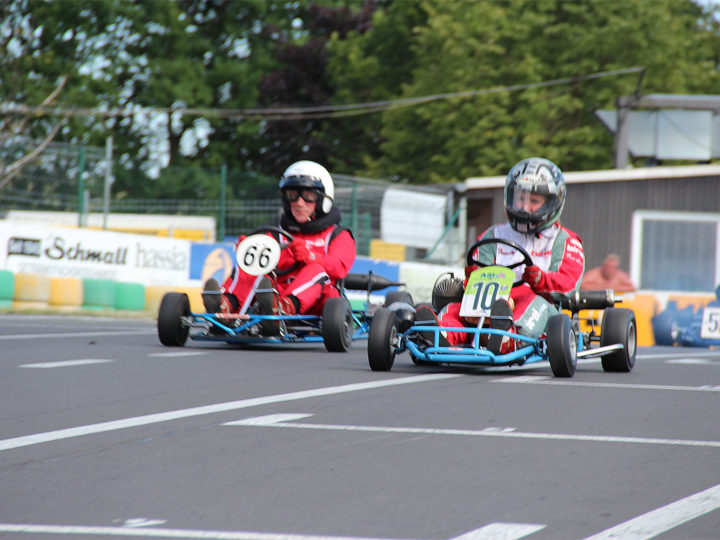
534,175
309,175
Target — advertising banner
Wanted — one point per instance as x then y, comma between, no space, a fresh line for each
82,253
211,261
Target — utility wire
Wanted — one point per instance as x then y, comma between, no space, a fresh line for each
296,113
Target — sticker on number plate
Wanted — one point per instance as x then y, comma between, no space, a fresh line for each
484,287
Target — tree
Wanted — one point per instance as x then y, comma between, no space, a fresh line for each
369,64
12,130
302,79
489,45
167,78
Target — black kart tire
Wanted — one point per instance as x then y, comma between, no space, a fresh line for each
337,324
398,296
381,340
561,346
619,326
172,331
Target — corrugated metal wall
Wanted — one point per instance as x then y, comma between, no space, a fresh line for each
602,212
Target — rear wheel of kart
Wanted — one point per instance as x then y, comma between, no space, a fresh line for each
398,296
172,331
337,324
619,326
381,340
561,346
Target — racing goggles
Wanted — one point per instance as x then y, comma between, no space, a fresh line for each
308,195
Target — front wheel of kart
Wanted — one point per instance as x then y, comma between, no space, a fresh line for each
381,340
172,331
337,324
619,326
561,346
398,296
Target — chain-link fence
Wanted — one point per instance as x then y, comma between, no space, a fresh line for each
69,179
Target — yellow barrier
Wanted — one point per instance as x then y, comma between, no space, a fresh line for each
696,301
154,294
645,306
195,235
387,250
32,291
66,293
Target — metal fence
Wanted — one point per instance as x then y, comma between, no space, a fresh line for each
53,184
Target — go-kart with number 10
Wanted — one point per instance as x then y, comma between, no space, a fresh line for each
396,331
258,254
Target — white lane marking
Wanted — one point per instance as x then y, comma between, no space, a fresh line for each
178,353
547,380
274,420
493,531
142,522
77,334
268,419
66,363
164,533
501,531
693,362
27,440
663,519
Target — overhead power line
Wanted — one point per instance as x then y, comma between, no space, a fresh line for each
296,113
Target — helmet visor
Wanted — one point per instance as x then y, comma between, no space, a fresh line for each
528,201
308,195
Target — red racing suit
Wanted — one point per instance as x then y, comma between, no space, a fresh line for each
557,251
312,282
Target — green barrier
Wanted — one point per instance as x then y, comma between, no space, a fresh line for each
130,296
357,304
99,294
7,288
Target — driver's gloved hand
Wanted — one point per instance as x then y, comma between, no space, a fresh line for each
301,252
534,277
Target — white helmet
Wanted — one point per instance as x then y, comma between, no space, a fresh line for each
310,175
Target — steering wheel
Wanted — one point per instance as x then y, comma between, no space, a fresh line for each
267,251
277,230
527,260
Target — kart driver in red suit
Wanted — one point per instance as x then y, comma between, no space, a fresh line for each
534,200
321,253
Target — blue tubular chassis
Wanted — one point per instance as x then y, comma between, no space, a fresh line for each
528,350
292,328
394,331
560,346
338,326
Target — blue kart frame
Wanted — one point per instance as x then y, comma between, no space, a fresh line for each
393,332
338,326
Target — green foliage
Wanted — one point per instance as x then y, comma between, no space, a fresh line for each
484,45
221,55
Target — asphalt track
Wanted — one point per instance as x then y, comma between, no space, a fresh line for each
105,433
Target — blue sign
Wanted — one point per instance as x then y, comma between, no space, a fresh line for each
211,261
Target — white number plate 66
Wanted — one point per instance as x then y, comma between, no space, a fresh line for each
258,254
